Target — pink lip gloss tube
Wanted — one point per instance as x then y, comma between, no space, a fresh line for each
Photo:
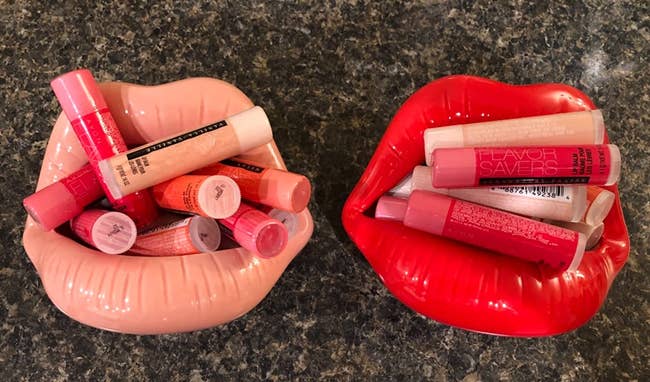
178,155
487,228
272,187
85,106
557,202
599,203
213,196
256,231
195,234
289,219
61,201
576,128
109,231
498,166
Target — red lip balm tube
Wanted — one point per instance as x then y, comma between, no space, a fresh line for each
490,166
485,227
85,106
65,199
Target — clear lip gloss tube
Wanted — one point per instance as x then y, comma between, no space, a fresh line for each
556,202
256,231
62,200
109,231
599,203
272,187
492,166
576,128
213,196
487,228
177,155
195,234
85,106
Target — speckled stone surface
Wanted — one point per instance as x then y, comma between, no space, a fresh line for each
330,75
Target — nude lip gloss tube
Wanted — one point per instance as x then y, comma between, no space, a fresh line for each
557,202
85,106
256,231
576,128
195,234
599,203
180,154
109,231
272,187
485,227
213,196
61,201
490,166
593,233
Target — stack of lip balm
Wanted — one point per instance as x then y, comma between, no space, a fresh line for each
544,171
175,196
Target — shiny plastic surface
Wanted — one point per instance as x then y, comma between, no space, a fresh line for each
457,284
149,295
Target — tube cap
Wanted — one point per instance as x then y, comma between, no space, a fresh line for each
454,167
601,203
260,233
252,128
291,189
450,136
78,93
52,206
204,233
580,251
219,196
391,208
615,165
114,233
599,126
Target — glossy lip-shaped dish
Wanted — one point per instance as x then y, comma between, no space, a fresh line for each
461,285
151,295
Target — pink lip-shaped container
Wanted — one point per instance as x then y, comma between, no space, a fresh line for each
152,295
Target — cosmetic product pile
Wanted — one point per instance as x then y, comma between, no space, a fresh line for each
526,187
183,194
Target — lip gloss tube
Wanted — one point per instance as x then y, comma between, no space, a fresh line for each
256,231
195,234
177,155
62,200
576,128
109,231
593,233
491,166
599,203
487,228
272,187
84,105
556,202
213,196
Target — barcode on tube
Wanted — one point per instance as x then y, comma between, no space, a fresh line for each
542,192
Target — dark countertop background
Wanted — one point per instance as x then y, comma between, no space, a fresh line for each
330,77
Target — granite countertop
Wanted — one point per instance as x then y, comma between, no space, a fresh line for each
330,77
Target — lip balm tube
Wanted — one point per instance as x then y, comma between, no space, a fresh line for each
85,106
180,154
487,228
557,202
492,166
576,128
195,234
62,200
256,231
599,203
272,187
213,196
593,233
109,231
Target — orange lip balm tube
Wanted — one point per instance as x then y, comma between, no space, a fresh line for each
269,186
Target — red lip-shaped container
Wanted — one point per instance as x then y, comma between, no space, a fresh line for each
458,284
